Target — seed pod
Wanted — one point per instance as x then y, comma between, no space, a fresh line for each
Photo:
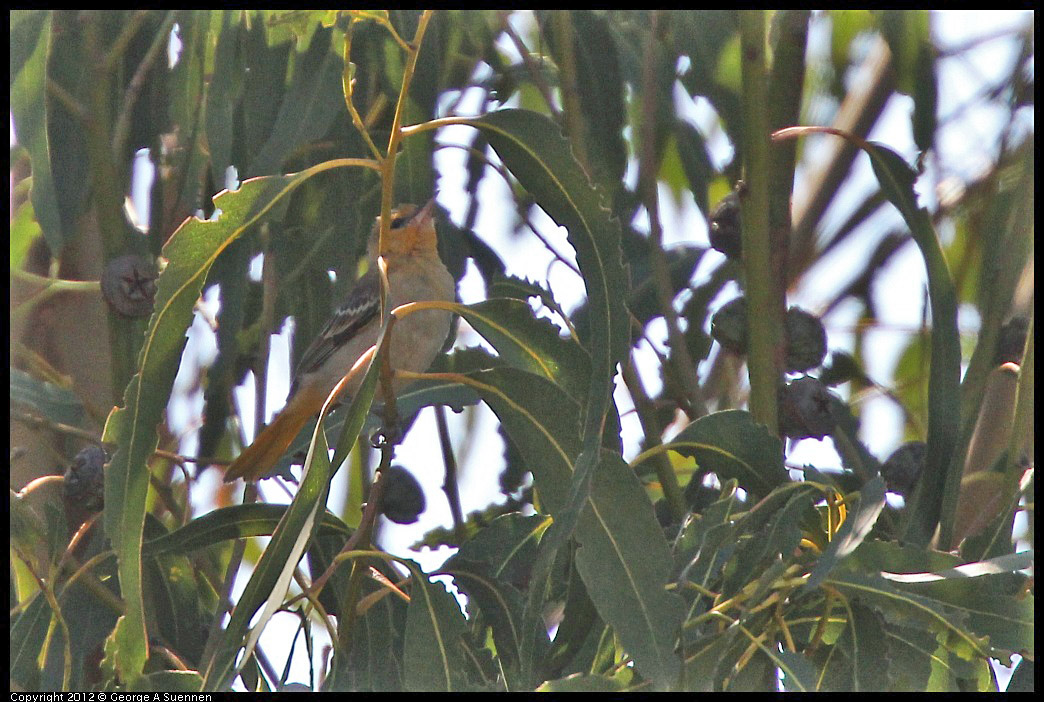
729,326
806,340
724,230
85,479
804,409
403,500
84,486
843,367
904,467
1011,341
129,285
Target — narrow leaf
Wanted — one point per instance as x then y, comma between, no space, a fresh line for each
856,527
190,252
731,445
433,654
624,561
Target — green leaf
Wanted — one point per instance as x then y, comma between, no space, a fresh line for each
702,658
909,36
271,577
993,604
695,162
174,600
846,25
519,636
45,399
600,88
708,538
938,484
375,660
493,567
224,92
30,50
731,445
767,544
24,231
856,528
899,558
28,632
681,263
433,655
1022,678
624,561
799,675
911,656
582,682
541,421
169,682
529,343
899,606
311,104
236,522
507,545
191,251
865,643
533,149
272,574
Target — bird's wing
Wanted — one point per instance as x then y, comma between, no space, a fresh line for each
362,305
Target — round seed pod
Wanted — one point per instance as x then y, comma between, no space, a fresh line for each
904,467
804,409
843,367
83,488
806,340
129,285
85,479
1011,341
729,326
724,230
402,500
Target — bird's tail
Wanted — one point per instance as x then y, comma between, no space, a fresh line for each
259,457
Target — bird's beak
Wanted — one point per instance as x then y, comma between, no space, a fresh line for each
426,212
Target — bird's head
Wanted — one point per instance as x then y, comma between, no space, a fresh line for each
411,232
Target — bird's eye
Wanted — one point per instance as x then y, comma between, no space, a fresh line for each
398,222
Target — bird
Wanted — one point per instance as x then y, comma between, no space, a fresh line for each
415,274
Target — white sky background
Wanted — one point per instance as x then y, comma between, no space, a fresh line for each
965,148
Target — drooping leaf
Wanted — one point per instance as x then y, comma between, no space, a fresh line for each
529,343
272,574
309,107
519,636
191,251
28,632
731,445
30,50
625,562
235,522
45,399
433,655
940,477
541,420
856,528
899,606
533,149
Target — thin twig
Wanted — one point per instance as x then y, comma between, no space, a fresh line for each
653,434
527,60
648,166
130,95
449,484
127,34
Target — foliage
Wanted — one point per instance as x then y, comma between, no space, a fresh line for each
707,561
